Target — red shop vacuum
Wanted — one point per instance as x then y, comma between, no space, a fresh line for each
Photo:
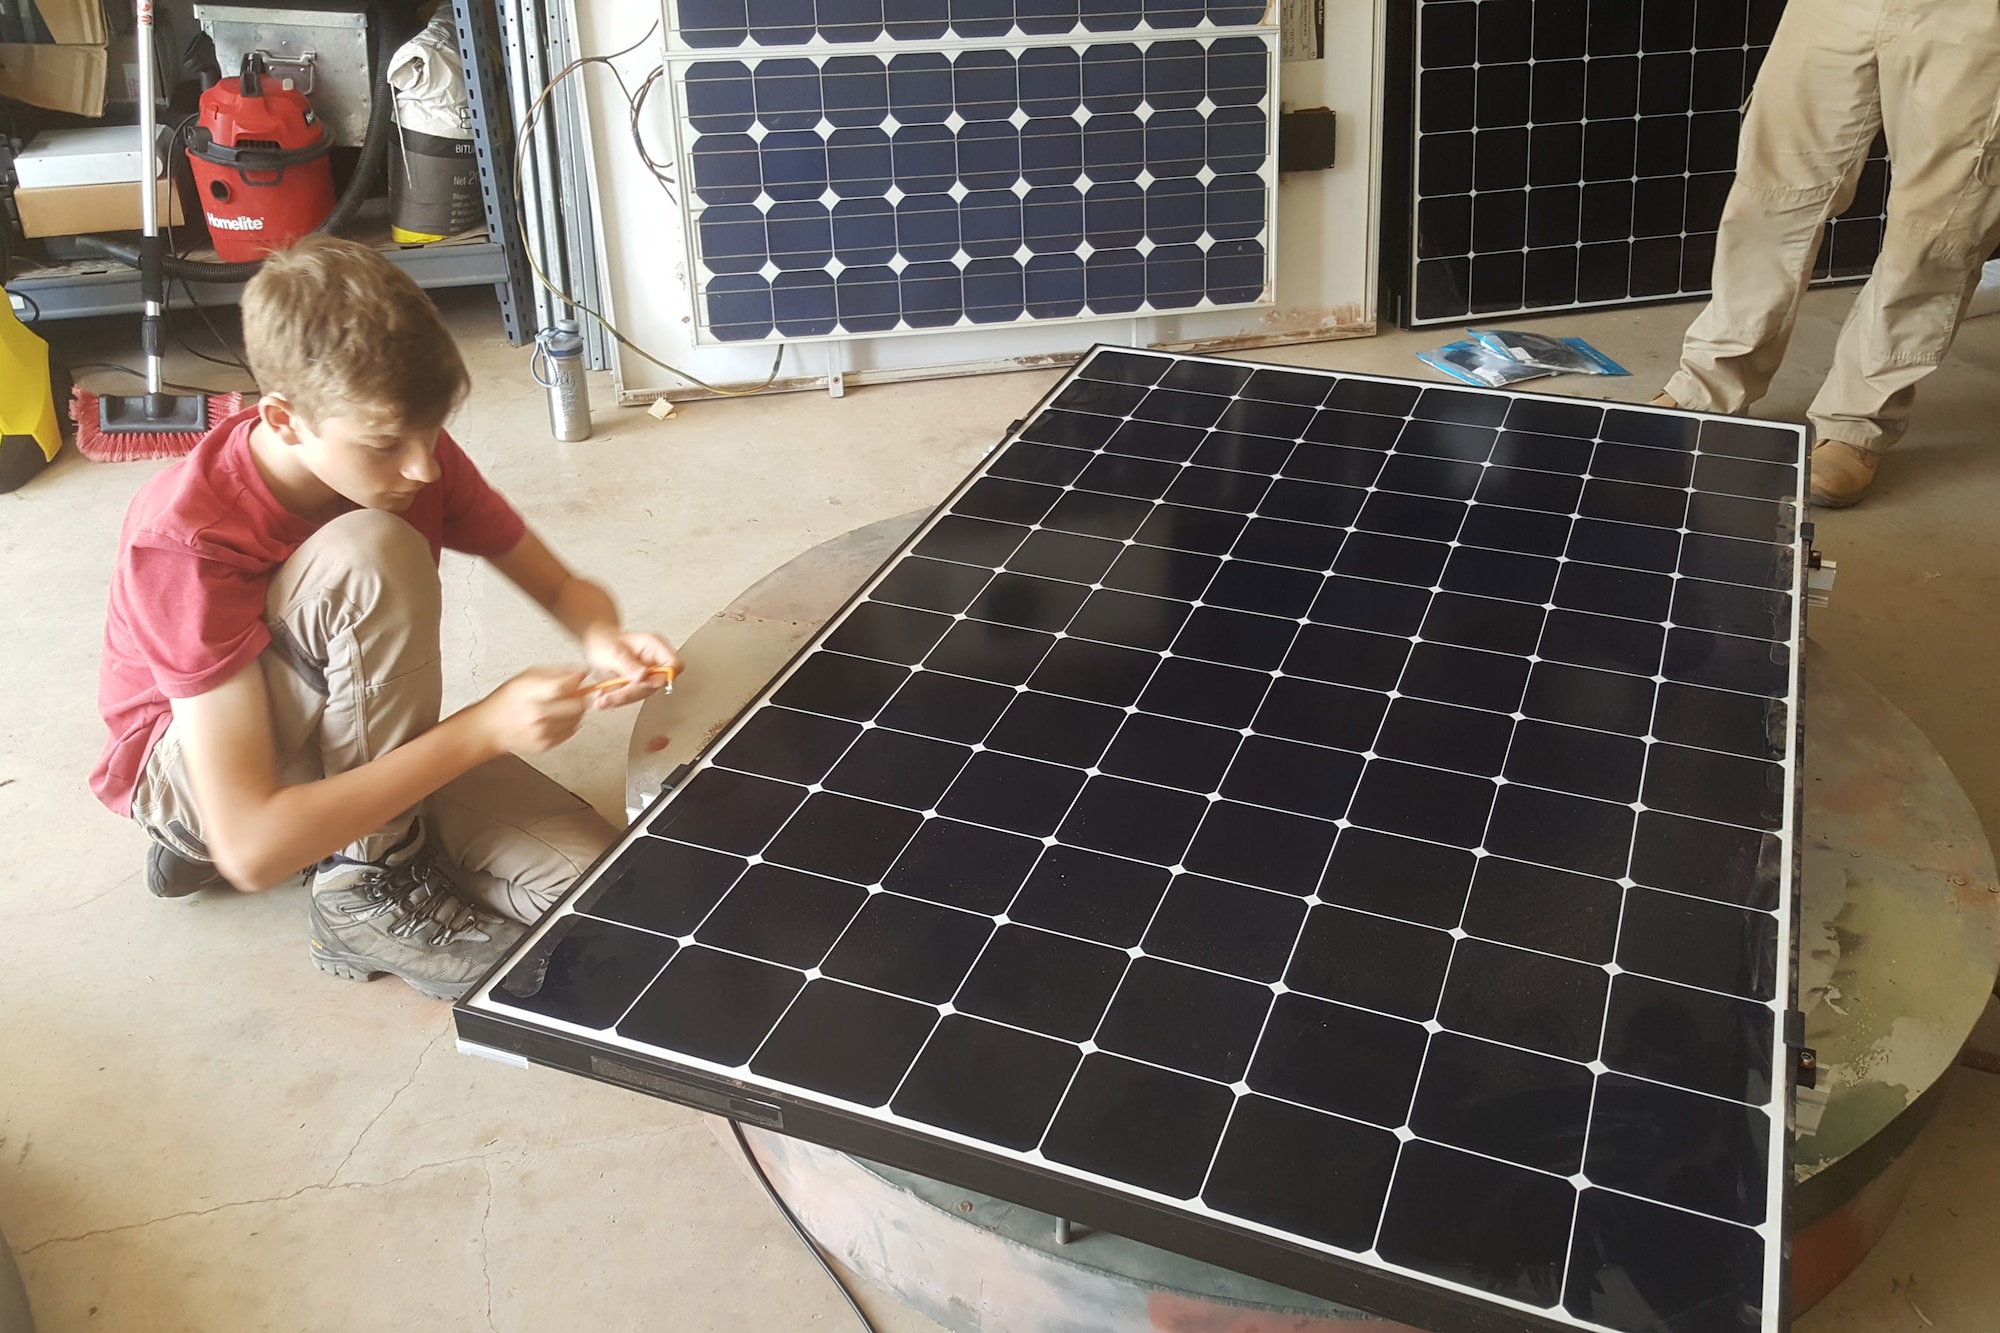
260,164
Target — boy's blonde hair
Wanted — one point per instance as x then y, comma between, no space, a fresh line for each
338,331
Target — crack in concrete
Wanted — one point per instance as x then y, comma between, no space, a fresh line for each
485,1253
395,1096
483,1157
287,1197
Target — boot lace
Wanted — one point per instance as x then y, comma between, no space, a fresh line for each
420,900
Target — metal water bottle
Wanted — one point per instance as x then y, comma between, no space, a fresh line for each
558,367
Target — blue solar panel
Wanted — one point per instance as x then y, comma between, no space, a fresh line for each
725,24
866,193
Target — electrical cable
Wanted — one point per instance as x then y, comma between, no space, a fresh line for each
523,137
757,1168
140,375
235,362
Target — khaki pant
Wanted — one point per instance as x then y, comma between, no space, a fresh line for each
352,672
1927,74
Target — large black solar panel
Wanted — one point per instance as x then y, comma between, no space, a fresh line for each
889,191
1562,153
1336,827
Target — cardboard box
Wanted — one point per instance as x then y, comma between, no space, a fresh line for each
74,22
54,54
71,210
58,78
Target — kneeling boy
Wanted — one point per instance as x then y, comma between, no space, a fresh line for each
271,677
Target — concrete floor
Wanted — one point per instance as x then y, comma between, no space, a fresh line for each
199,1131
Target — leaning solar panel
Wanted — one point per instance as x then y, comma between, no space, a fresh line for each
1335,827
711,24
1578,152
875,193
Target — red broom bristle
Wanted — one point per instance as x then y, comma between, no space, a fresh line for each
98,445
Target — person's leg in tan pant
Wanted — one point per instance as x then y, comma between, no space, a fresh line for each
1940,71
1928,71
1814,114
353,671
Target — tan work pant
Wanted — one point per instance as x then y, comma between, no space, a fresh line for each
1926,73
352,672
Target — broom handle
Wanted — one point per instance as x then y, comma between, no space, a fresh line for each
150,255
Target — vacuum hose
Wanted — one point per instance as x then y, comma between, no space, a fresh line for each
374,149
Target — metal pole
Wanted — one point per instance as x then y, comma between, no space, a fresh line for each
150,275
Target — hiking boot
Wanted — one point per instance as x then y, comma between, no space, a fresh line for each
403,916
1841,473
171,875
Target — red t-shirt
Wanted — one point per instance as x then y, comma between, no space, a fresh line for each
195,558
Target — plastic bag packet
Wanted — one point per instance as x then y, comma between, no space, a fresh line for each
1558,355
1474,362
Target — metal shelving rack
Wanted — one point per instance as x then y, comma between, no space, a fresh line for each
102,287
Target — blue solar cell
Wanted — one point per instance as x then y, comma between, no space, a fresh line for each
920,88
802,304
989,155
1238,139
995,290
864,231
719,97
1114,147
870,299
726,169
1235,13
788,94
1054,286
1235,207
933,295
1052,219
781,22
800,235
1051,80
855,91
1114,78
927,226
850,20
739,306
1176,75
707,23
794,165
1045,16
732,239
1235,272
858,163
1115,281
1051,151
982,18
989,223
983,85
1176,143
926,158
1176,277
919,20
1238,71
1174,13
1110,15
1176,211
1114,215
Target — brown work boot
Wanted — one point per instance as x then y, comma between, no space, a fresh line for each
1841,473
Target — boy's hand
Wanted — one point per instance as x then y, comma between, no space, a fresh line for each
631,654
535,711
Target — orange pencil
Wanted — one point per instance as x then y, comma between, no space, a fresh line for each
619,681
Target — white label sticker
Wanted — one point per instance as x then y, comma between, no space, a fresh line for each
1302,29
